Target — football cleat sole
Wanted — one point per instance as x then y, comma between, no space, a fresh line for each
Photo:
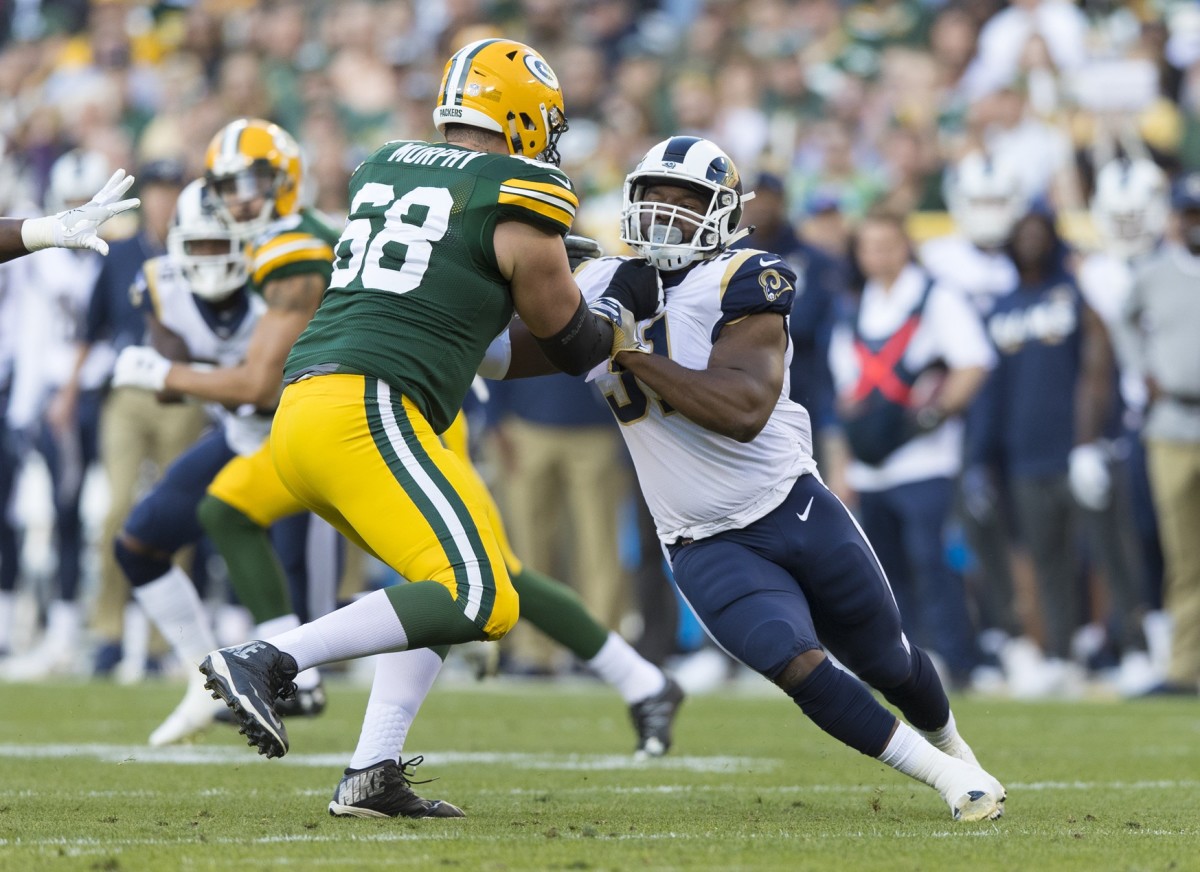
269,738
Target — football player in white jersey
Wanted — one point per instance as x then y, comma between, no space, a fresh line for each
198,309
771,562
985,199
1130,210
57,285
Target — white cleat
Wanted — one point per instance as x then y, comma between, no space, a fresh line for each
196,713
972,794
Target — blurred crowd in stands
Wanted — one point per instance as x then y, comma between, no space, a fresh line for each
1025,564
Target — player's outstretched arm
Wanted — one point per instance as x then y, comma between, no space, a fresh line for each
735,394
74,228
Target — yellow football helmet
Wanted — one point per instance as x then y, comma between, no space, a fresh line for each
505,86
253,167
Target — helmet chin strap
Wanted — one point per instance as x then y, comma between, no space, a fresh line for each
741,234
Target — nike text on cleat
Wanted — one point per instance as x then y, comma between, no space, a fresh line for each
249,678
653,718
384,790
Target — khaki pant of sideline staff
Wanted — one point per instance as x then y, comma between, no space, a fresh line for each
135,428
1175,481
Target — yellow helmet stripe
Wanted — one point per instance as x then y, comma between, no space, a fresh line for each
456,79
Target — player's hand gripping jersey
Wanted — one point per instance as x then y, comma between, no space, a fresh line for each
716,483
417,250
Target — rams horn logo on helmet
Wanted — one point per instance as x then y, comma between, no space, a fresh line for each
541,71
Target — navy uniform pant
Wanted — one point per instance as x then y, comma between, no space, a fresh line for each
802,577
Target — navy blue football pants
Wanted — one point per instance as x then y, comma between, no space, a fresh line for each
802,577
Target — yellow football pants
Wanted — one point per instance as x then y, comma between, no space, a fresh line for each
252,485
366,460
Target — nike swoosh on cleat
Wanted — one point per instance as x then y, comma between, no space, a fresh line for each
807,509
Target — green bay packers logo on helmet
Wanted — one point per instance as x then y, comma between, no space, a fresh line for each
542,70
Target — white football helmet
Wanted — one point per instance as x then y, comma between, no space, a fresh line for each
985,198
663,234
75,178
1131,206
214,274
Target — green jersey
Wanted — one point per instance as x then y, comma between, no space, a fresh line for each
416,294
297,244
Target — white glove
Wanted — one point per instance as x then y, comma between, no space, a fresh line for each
626,336
1088,475
497,358
139,366
76,228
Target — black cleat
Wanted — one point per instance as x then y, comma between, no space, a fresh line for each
384,790
249,678
653,718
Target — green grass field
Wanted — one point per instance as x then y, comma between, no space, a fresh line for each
544,774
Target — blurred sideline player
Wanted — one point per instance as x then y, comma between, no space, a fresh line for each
57,285
443,243
252,186
985,199
1130,210
773,565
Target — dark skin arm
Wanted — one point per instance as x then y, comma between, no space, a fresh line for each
735,395
11,244
291,303
1093,395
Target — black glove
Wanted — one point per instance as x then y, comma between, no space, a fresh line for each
637,287
581,248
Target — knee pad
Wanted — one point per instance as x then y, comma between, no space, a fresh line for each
139,567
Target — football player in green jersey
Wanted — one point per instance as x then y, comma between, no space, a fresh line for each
443,243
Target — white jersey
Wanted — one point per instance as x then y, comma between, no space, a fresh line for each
54,287
696,482
10,324
214,336
984,276
1106,282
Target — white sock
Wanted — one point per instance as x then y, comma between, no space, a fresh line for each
631,674
909,753
402,681
366,626
309,678
63,624
6,619
135,636
948,741
174,606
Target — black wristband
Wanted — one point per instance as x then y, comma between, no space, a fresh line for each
583,343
